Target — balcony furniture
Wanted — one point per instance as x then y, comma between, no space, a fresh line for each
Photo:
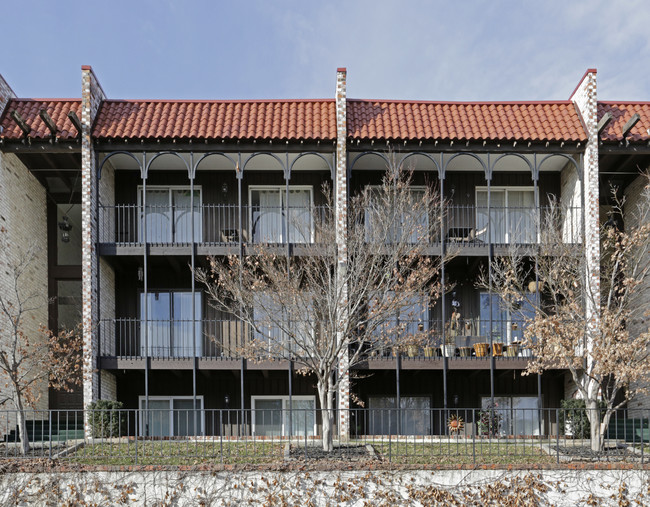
460,234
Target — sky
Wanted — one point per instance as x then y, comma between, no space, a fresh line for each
407,49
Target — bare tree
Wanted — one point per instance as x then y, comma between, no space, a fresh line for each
330,309
30,360
605,350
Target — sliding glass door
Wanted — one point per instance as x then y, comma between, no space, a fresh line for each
512,216
167,215
271,210
169,329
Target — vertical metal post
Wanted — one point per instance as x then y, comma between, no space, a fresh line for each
443,307
98,295
291,399
145,269
192,175
490,246
538,213
243,402
398,402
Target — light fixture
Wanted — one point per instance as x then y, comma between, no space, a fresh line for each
140,273
226,400
65,226
224,188
454,302
456,398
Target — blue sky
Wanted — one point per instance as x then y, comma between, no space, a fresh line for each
200,49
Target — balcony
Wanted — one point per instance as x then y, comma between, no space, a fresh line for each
214,225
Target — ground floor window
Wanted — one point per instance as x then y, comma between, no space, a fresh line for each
519,414
171,416
414,415
273,416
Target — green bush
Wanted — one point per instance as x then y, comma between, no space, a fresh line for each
573,417
106,419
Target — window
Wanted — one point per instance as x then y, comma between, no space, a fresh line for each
171,416
519,414
272,417
171,330
507,325
269,214
168,215
411,318
272,322
414,226
415,415
513,215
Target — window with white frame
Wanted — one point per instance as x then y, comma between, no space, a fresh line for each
507,323
170,330
166,214
276,217
410,225
512,216
280,331
273,416
171,416
414,411
519,414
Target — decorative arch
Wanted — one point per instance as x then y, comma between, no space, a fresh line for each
120,152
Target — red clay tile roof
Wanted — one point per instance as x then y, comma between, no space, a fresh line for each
57,109
503,121
621,113
231,120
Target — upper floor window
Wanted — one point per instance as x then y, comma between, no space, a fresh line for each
512,215
167,215
276,217
404,225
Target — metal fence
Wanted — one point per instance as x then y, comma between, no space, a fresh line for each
177,434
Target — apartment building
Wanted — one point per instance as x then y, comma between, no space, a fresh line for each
127,196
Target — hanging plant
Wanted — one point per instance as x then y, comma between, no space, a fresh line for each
455,424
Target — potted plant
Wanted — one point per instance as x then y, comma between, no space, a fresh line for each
481,349
449,347
497,346
465,351
512,350
429,350
489,421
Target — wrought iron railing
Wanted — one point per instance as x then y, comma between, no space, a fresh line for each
501,434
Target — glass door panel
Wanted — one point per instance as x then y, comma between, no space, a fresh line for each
522,225
185,331
525,416
156,421
183,215
268,417
156,217
266,216
155,340
302,418
300,219
184,418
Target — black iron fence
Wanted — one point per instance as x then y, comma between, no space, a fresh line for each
165,434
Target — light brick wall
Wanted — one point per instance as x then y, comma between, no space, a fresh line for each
341,232
571,200
91,98
23,213
585,98
632,200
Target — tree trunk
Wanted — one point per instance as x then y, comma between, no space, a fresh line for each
22,428
327,411
593,415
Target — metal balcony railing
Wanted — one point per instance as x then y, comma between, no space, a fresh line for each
214,224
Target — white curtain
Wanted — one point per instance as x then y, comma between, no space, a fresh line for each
522,225
157,217
266,216
183,215
300,226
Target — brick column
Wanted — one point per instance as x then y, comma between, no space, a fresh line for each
6,93
91,98
341,189
585,99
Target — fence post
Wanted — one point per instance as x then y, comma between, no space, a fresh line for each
557,431
137,430
49,424
473,436
390,435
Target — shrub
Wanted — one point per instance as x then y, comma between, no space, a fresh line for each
489,421
573,418
106,419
